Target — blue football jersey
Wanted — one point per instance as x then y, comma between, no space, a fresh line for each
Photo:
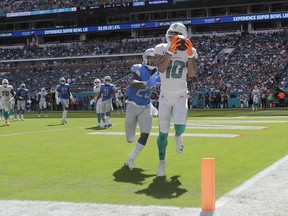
107,91
141,97
22,94
63,91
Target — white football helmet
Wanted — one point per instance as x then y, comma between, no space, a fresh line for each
107,80
23,86
176,29
5,82
97,82
149,63
62,80
43,89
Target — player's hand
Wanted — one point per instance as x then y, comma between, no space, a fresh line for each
175,43
189,46
57,101
11,99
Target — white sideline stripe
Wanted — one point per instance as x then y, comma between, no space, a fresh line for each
217,127
247,117
260,117
42,131
156,134
226,198
233,121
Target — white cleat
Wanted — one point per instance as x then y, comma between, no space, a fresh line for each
179,144
63,122
130,164
161,168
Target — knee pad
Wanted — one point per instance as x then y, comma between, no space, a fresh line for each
163,136
179,129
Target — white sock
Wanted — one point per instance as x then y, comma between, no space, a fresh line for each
138,148
106,120
64,114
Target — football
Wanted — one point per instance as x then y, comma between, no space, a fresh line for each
182,47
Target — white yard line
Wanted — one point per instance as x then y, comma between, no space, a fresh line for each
107,133
220,127
42,131
233,121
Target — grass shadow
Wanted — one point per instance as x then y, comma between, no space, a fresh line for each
51,125
162,188
95,128
134,176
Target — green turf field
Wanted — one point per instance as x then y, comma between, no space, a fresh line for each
43,160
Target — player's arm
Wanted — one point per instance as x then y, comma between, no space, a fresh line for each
162,61
136,82
99,95
13,93
191,65
192,55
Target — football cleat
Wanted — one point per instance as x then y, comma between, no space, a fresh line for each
7,123
161,168
130,164
63,122
179,144
109,125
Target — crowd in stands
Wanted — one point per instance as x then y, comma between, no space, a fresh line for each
255,59
9,6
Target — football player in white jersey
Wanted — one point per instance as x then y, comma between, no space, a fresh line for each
42,102
1,110
7,94
175,67
96,90
119,103
255,95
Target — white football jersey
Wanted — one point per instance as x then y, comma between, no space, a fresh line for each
174,79
42,95
6,92
96,90
119,95
256,92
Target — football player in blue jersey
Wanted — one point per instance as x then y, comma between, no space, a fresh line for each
22,97
62,96
139,109
107,90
